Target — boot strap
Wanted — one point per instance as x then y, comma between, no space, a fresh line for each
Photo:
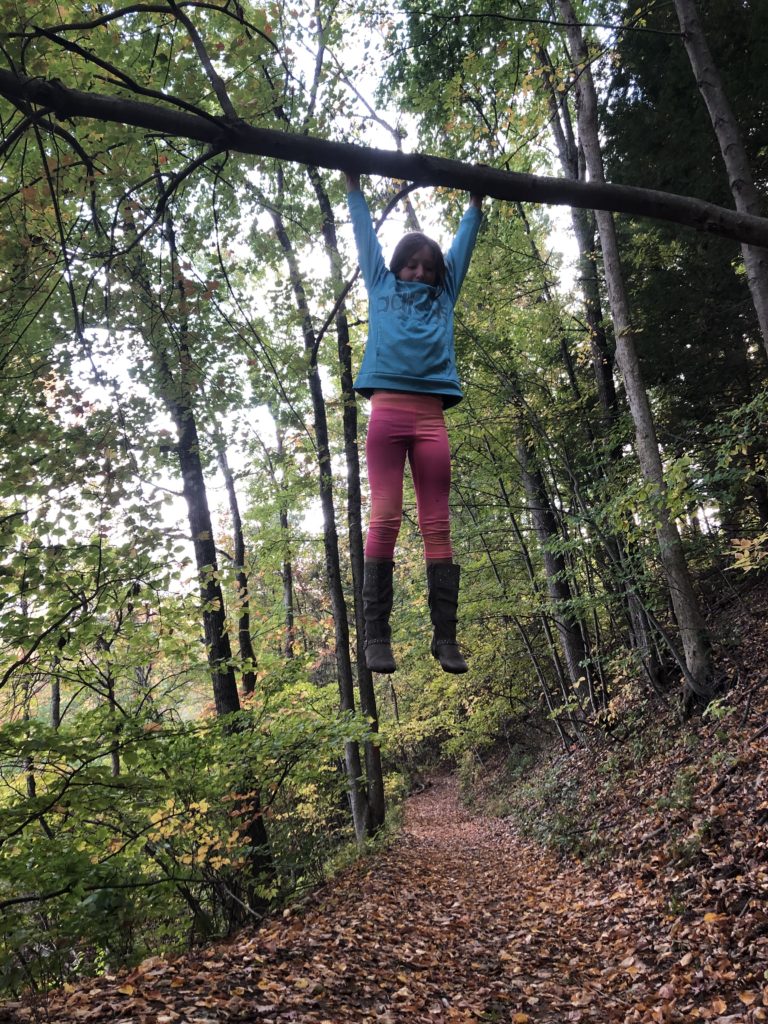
370,643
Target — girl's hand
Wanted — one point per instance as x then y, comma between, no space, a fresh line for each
353,181
476,200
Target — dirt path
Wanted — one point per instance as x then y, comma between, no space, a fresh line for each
459,921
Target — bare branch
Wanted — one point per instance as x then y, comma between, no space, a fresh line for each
421,169
213,76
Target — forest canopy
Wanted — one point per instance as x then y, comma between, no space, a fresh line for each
189,732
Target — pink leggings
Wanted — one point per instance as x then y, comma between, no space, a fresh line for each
413,425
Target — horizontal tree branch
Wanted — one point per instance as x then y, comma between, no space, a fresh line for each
424,170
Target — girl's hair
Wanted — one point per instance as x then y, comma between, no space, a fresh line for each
411,243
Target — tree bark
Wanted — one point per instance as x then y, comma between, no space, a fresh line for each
286,565
558,587
174,390
245,644
354,769
374,775
584,230
699,683
731,143
224,134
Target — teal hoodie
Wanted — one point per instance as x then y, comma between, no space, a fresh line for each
410,324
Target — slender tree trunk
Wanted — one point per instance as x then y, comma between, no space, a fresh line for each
374,775
247,654
357,794
545,527
528,643
729,137
55,704
528,562
286,576
693,633
542,681
286,566
176,389
547,531
217,643
584,229
114,748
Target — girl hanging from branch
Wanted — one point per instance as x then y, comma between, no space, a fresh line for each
409,373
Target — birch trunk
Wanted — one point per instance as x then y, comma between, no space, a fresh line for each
745,194
584,230
693,633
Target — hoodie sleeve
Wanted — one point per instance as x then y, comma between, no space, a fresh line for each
369,252
460,253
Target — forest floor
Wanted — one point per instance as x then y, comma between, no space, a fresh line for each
663,916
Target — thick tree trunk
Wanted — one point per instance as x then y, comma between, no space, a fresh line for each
745,194
374,775
693,633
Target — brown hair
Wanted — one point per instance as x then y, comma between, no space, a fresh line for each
411,243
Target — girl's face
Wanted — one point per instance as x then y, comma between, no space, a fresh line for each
420,267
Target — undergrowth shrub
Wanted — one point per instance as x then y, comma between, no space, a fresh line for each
123,838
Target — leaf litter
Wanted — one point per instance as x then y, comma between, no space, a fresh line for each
459,922
462,920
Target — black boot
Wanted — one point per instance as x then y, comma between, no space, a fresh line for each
377,606
443,581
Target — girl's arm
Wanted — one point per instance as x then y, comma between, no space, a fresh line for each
369,253
458,256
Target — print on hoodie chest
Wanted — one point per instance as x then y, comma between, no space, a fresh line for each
410,305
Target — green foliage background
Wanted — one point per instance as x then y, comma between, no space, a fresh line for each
142,274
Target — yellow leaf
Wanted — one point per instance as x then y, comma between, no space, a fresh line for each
127,990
